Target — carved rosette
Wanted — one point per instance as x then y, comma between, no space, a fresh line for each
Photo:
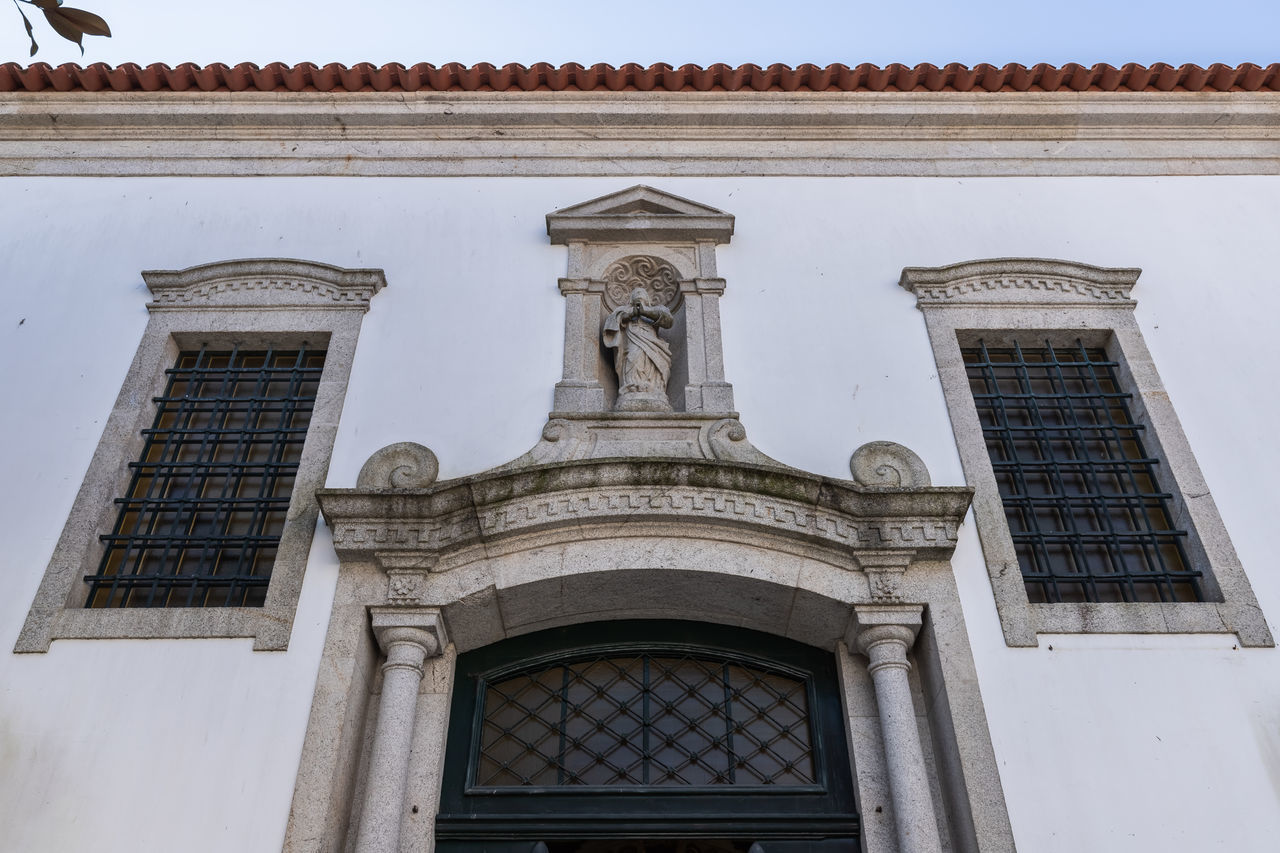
885,569
885,586
405,588
653,275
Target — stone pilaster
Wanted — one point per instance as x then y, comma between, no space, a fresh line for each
407,637
885,633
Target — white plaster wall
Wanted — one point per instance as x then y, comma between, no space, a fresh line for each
1104,743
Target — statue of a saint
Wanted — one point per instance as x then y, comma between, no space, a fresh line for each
642,359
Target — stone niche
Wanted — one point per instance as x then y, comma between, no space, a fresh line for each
642,240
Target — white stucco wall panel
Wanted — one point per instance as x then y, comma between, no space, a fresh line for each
1104,743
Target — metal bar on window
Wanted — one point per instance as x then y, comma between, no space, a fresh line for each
207,498
1098,528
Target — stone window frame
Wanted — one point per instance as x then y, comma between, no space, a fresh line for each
250,302
1060,302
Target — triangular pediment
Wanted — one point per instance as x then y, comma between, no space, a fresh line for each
638,214
639,199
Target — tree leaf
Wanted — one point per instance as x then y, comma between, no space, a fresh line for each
44,4
26,23
89,23
65,28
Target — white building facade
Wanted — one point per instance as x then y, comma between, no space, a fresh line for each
1035,610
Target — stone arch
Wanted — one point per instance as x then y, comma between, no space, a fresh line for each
441,568
522,602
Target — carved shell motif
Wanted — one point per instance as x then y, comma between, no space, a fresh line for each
654,275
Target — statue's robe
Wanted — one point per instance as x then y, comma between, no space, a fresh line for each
641,358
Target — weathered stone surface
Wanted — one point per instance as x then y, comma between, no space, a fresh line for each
886,464
368,524
403,465
679,133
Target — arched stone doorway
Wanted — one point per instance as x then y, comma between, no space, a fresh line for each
439,570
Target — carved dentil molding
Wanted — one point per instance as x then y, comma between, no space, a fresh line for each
264,283
1020,281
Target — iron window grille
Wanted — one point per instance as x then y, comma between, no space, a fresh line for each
207,499
651,734
1088,519
645,719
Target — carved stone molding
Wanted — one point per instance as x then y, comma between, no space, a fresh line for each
626,133
568,437
1020,281
262,283
407,530
404,589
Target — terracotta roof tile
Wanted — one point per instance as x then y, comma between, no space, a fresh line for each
454,77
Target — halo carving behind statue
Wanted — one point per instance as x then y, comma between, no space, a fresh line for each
654,275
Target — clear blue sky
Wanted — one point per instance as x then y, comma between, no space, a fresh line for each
675,31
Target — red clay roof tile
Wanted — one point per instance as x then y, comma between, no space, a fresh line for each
542,76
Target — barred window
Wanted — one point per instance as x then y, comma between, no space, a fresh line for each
207,499
1088,518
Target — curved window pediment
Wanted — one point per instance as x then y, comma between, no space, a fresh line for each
646,730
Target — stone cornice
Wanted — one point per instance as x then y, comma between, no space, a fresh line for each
402,527
1020,282
639,133
262,283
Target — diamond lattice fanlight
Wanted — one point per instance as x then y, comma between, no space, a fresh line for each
645,719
